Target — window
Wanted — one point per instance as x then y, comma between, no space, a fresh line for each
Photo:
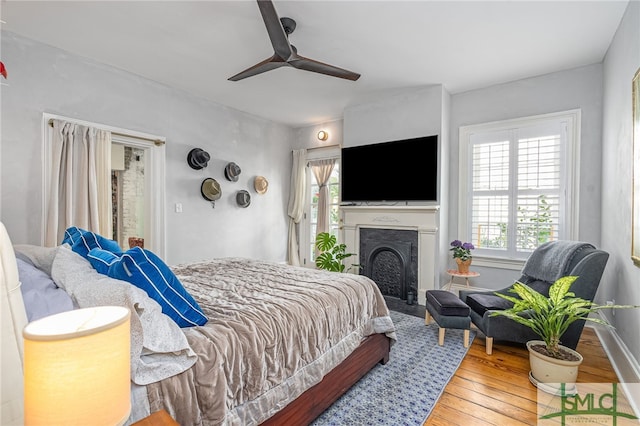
334,203
517,184
309,223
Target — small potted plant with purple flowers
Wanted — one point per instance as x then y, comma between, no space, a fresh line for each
462,255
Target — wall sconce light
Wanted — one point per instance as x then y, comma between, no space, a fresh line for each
323,135
77,367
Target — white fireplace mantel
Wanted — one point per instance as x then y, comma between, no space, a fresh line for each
424,219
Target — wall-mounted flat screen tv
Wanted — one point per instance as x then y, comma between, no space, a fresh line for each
403,170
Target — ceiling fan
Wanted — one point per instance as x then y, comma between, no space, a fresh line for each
286,54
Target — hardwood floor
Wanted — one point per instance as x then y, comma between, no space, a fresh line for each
495,389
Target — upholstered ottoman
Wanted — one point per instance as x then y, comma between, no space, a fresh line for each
449,312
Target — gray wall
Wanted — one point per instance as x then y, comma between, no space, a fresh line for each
46,79
622,278
307,137
560,91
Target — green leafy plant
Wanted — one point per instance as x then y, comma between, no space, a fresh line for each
332,254
549,317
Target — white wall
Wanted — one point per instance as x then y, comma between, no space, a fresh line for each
622,278
394,115
560,91
46,79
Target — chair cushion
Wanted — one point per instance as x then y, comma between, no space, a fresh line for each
447,303
481,303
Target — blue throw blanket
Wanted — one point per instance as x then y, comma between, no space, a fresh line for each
551,260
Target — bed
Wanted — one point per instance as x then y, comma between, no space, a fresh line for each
280,345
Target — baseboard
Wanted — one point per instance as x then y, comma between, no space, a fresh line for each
622,360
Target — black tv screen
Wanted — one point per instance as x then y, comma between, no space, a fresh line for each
403,170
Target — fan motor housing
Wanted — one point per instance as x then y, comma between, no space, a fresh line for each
288,24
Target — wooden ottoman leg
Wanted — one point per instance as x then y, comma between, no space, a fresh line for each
489,345
441,336
466,338
427,318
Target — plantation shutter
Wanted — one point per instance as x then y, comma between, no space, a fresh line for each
538,185
516,188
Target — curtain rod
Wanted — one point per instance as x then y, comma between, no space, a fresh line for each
317,148
157,142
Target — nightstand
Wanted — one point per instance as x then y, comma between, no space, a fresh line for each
159,418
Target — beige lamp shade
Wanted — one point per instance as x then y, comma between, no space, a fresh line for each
77,368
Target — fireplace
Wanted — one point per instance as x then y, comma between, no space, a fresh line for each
390,258
423,220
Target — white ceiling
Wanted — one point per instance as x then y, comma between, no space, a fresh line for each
197,45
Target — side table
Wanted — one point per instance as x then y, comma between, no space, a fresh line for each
453,273
159,418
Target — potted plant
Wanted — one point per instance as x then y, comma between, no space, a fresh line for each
462,255
549,317
332,254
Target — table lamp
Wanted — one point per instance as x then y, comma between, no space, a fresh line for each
77,368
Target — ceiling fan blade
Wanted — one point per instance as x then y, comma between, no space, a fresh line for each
277,35
307,64
285,53
264,66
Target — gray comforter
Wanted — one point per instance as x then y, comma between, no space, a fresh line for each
273,331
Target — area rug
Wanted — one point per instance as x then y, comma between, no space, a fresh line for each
405,390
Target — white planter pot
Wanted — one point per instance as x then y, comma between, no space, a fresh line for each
545,369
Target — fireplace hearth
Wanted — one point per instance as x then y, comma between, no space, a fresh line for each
390,258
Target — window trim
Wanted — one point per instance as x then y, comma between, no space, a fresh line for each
572,177
154,204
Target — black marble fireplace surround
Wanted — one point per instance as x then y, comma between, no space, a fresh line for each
390,258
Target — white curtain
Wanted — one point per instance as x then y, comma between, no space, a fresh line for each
296,202
80,181
322,171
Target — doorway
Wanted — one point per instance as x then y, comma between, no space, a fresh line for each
128,195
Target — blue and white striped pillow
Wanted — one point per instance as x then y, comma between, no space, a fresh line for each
82,241
72,234
147,271
101,260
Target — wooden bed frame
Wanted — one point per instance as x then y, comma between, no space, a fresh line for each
303,410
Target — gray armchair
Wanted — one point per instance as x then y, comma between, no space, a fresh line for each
547,263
